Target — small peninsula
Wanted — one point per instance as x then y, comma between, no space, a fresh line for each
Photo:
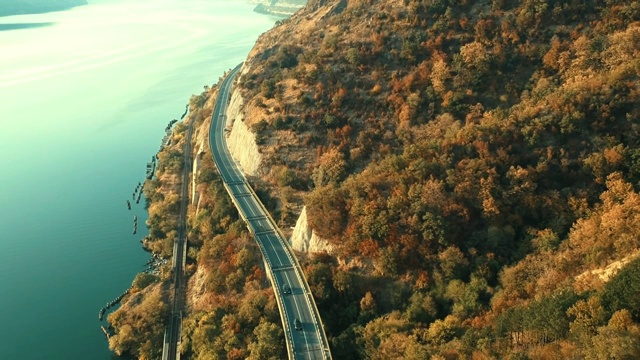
278,7
20,7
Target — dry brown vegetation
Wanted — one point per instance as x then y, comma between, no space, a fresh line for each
139,323
473,157
467,160
231,310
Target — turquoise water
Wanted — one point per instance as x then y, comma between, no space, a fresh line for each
83,104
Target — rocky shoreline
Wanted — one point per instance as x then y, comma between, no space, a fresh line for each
155,263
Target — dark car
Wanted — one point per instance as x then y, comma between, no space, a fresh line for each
297,324
286,289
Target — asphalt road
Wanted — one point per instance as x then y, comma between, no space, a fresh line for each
309,342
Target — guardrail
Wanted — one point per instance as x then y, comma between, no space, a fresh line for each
270,273
279,300
299,274
281,238
165,346
298,270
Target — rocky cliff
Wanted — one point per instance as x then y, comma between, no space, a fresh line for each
303,238
19,7
242,141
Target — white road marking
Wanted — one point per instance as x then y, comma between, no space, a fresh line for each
230,172
299,314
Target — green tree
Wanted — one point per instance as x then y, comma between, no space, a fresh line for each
623,290
619,339
466,297
269,342
142,280
353,56
326,212
422,308
331,168
268,88
588,316
548,316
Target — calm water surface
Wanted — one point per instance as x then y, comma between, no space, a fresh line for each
84,97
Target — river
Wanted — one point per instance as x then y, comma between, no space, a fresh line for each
85,95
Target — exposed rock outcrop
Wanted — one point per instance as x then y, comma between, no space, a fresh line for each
197,297
242,141
303,238
593,279
196,168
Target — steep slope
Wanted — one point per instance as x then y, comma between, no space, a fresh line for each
465,161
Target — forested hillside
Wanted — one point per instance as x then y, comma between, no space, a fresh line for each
18,7
473,164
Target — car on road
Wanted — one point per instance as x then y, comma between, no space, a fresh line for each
297,324
286,289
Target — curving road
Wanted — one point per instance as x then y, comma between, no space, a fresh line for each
309,340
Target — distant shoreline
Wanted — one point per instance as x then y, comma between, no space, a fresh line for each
276,10
9,27
22,7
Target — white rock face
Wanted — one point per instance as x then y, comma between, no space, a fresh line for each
304,239
196,167
241,141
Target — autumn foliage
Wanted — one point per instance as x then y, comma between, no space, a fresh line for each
475,162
